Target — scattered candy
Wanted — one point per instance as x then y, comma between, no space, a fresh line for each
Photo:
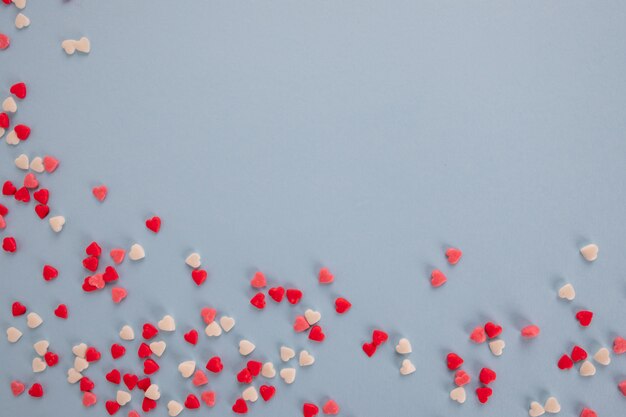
258,280
478,335
154,224
330,408
213,329
246,347
590,252
619,345
458,394
603,356
267,392
310,410
584,317
70,46
127,333
268,370
536,409
407,367
342,305
136,252
153,392
187,368
17,388
497,347
174,408
33,320
167,324
587,369
250,394
552,405
57,223
567,292
325,277
461,378
454,361
530,332
312,316
100,192
288,375
21,21
193,260
227,323
404,347
305,359
286,353
437,278
483,394
454,255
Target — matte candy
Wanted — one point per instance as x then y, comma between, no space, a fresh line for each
191,337
407,367
17,388
483,394
61,311
369,349
462,378
379,337
458,394
258,301
619,345
114,377
478,335
300,324
100,192
530,332
154,224
9,244
240,406
437,278
578,354
18,309
453,361
590,252
487,376
552,405
325,276
294,296
36,390
588,412
342,305
310,410
584,317
316,334
258,280
330,408
492,330
276,293
208,397
267,392
454,255
215,365
19,90
49,272
149,331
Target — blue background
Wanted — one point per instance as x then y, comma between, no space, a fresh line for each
364,136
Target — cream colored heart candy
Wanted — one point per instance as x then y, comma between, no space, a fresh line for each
458,394
80,350
57,223
13,334
9,105
41,347
1,132
70,46
39,365
187,368
80,364
603,356
158,348
552,406
227,323
246,347
536,409
193,260
167,324
288,375
590,252
22,162
497,347
587,369
37,165
153,392
306,359
213,329
174,408
136,252
33,320
404,347
286,353
20,4
567,292
250,394
268,370
21,21
127,333
12,138
312,316
407,367
123,397
73,376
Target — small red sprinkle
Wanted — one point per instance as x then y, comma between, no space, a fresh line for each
42,196
144,384
254,367
478,335
115,377
150,367
117,351
379,337
258,280
149,331
454,255
90,263
244,376
437,278
530,332
42,210
148,404
215,365
240,406
492,330
86,384
588,412
462,378
3,210
192,402
51,358
619,345
5,41
61,311
30,181
92,354
565,362
325,276
5,122
93,249
22,195
199,276
154,224
578,354
369,349
112,407
36,390
100,192
191,337
130,380
22,131
144,350
8,188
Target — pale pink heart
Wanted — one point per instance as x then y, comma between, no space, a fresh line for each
331,407
118,294
50,163
97,281
89,399
208,314
300,324
209,398
117,255
17,388
199,378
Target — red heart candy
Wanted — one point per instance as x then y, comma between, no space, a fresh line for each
86,384
150,367
316,334
462,378
93,249
117,255
144,350
92,354
131,380
199,276
18,90
258,301
453,361
325,277
215,365
342,305
118,294
22,195
622,387
192,402
17,309
331,408
51,358
530,332
117,350
87,287
208,397
8,188
49,272
9,244
487,376
258,280
483,394
5,41
369,349
437,278
3,210
588,412
277,293
565,362
50,164
584,317
149,331
100,192
154,224
110,274
310,410
492,330
115,377
17,388
244,376
578,354
90,263
267,392
148,404
42,196
3,223
294,296
4,121
619,345
144,384
42,210
112,407
379,337
254,367
453,255
240,406
191,337
22,131
61,311
478,335
36,390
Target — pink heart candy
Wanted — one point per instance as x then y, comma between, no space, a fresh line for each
118,294
478,335
30,181
258,280
300,324
133,413
97,281
209,398
17,388
622,387
199,378
117,255
619,345
331,407
89,399
50,163
100,192
208,314
461,378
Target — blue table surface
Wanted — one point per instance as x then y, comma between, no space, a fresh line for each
364,136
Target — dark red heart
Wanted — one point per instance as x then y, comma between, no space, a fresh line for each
578,354
148,404
49,272
149,331
258,301
112,407
240,406
115,377
310,410
192,402
277,293
61,311
199,276
17,309
8,188
92,354
144,350
91,263
93,250
369,349
342,305
454,361
150,367
254,367
487,376
584,317
22,194
130,380
22,131
267,392
36,390
42,196
117,350
492,330
294,296
191,337
483,394
215,365
154,224
316,334
110,274
51,358
379,337
86,384
18,90
244,376
565,362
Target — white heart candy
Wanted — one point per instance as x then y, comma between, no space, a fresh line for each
536,409
127,333
41,347
167,324
57,223
312,316
33,320
458,394
603,356
69,46
136,252
37,165
268,370
250,394
124,397
80,350
246,347
80,364
288,375
193,260
174,408
306,359
22,162
158,348
20,4
590,252
21,21
73,376
227,323
407,367
567,292
13,334
213,329
83,45
187,368
39,365
153,392
286,353
552,406
587,369
9,105
12,138
1,132
497,347
404,347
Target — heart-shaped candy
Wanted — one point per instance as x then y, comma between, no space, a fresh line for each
288,375
246,347
407,367
404,347
590,252
458,394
